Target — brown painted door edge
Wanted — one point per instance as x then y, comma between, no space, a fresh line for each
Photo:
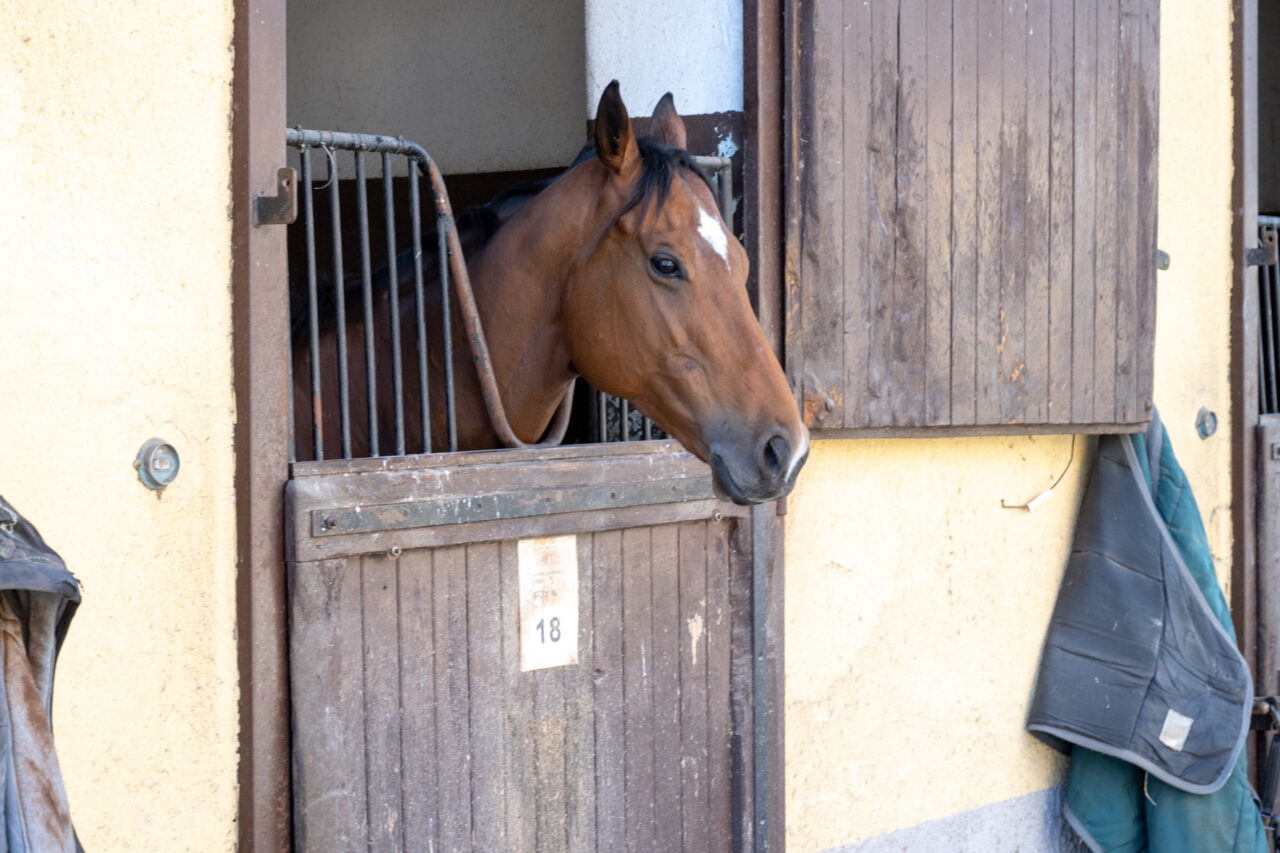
1244,339
764,73
260,321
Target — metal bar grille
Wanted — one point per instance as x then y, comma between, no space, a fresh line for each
322,301
1268,325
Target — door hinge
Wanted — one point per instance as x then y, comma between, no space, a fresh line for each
1264,255
281,208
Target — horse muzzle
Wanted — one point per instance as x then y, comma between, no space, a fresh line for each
751,468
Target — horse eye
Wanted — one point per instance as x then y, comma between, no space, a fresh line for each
665,266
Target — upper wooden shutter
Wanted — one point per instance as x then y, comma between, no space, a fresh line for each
972,214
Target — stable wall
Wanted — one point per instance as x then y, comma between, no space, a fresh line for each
916,605
115,326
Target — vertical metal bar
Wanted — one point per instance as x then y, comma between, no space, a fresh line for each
648,430
1272,343
1273,284
726,195
1266,353
625,408
1266,356
420,304
366,286
293,438
602,414
340,303
443,224
313,308
393,291
761,709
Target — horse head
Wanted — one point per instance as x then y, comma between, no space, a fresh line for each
656,310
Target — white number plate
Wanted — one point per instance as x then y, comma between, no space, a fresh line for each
548,602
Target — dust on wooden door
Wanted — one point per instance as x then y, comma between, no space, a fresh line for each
414,726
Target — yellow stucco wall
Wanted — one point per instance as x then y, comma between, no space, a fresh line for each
916,605
115,327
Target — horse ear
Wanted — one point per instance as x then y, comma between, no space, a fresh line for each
666,123
615,142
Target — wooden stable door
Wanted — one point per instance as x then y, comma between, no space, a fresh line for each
414,726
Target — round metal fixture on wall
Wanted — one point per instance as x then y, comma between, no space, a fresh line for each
1206,423
157,464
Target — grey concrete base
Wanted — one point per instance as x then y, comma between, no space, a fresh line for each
1029,824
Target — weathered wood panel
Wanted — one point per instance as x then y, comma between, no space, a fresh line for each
976,200
417,730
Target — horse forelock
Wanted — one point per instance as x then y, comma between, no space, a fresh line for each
660,163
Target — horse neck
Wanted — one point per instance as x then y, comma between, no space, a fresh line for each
518,280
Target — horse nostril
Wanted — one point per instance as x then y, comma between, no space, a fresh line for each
774,455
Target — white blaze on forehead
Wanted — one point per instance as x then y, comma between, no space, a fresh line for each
715,234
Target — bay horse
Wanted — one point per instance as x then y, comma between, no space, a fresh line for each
621,271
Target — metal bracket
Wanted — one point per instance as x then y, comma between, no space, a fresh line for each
281,208
1264,255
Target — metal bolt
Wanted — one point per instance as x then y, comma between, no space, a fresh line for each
1206,423
327,523
716,516
394,552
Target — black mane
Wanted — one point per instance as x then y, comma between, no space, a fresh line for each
477,225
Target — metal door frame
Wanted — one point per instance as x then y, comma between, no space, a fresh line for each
260,342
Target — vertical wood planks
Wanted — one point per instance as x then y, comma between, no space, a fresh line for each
1106,213
383,781
518,774
1085,238
637,669
964,214
994,211
453,729
549,780
882,221
822,306
1061,194
487,662
1129,93
418,731
908,329
579,700
853,236
417,702
937,232
720,770
1037,237
610,731
989,210
667,747
741,671
1148,157
692,630
1012,307
327,686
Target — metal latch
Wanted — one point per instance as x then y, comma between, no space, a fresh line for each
281,208
1264,255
